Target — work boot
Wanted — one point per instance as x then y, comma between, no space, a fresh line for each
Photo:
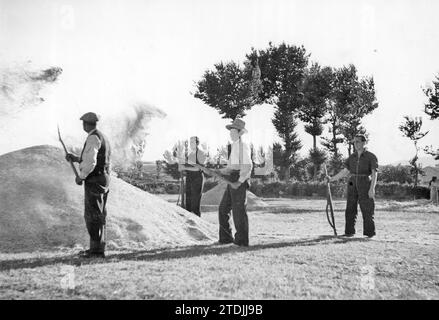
240,243
348,235
94,255
223,242
91,254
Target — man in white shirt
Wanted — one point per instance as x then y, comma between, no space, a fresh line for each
239,167
94,171
194,176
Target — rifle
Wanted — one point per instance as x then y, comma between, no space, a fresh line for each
65,150
329,215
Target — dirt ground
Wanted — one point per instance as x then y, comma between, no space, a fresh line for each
292,255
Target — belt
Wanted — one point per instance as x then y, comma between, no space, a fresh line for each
100,171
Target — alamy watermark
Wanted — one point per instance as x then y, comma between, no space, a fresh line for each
67,281
367,277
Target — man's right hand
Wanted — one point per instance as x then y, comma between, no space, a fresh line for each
71,157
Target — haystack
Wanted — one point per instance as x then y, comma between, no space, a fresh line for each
213,198
41,208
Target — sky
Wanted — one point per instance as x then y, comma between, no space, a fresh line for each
118,53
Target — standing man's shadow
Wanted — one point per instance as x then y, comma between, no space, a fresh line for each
174,253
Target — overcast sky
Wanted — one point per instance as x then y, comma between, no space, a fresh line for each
115,53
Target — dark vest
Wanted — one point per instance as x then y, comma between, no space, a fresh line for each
103,157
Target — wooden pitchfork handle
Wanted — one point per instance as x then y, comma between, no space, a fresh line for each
65,150
212,173
330,212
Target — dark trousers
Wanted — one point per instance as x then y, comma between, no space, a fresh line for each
236,201
95,211
358,188
194,184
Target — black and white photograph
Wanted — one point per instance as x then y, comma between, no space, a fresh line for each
219,154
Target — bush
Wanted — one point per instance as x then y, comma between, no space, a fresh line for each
296,189
421,192
397,173
391,190
172,188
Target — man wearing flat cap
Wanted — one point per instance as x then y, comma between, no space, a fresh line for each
361,167
94,171
239,167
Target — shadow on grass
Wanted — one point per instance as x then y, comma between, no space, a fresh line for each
399,207
298,210
274,210
167,254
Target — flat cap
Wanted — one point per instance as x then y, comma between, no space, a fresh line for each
89,117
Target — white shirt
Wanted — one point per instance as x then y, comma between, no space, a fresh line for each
240,159
201,156
89,155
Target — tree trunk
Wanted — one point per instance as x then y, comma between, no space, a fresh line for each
416,176
287,173
415,164
334,138
314,138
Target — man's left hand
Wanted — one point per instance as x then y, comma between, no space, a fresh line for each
236,185
371,194
78,181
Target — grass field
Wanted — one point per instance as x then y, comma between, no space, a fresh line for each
292,255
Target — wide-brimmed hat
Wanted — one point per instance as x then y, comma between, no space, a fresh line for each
237,124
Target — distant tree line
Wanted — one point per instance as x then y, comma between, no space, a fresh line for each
411,128
300,90
318,96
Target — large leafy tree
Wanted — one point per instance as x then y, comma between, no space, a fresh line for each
229,88
363,104
317,88
282,71
431,108
351,99
411,128
342,96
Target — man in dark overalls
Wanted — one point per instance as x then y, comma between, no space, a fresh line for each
362,167
194,177
239,167
94,171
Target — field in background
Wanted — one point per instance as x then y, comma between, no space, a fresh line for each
292,255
